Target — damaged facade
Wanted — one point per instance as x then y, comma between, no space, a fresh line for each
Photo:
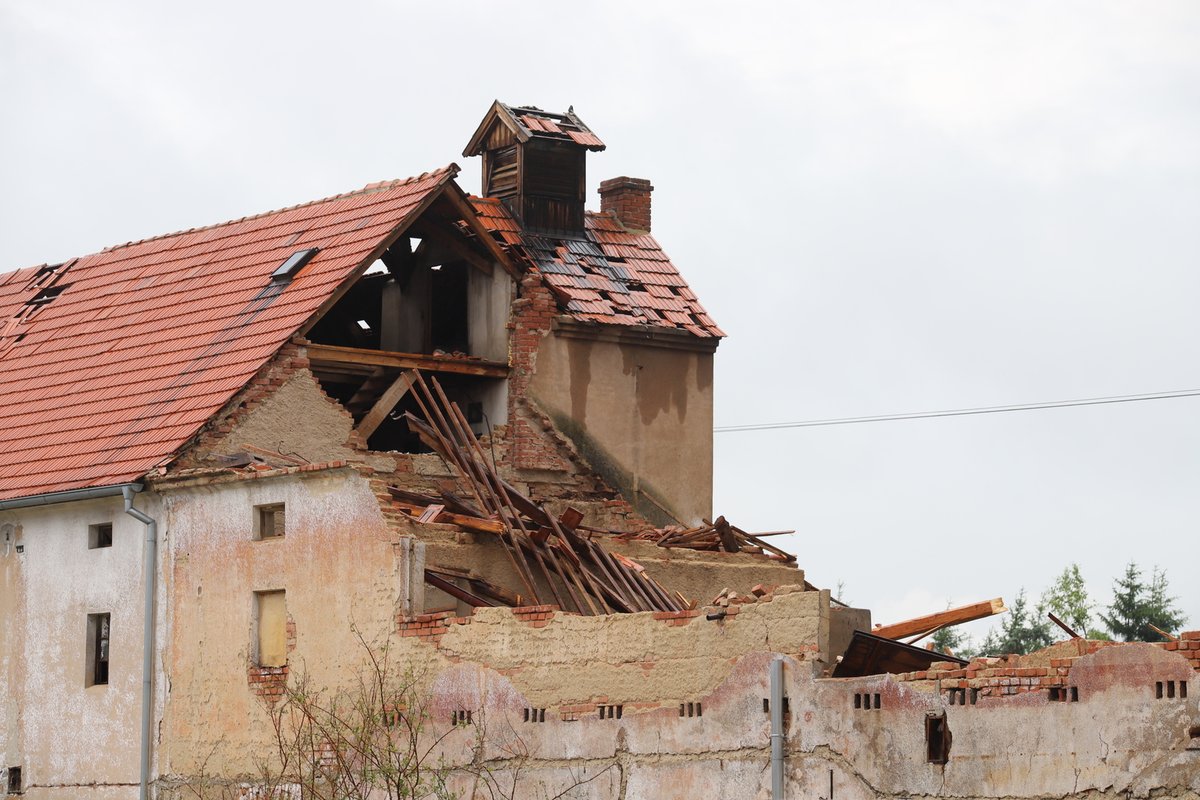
230,456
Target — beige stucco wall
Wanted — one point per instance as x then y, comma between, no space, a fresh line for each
641,414
65,735
337,565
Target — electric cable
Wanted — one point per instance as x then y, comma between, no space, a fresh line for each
961,412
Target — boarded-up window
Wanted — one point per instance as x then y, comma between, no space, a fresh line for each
97,650
268,521
271,621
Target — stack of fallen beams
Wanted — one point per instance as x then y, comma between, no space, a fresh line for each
718,536
542,548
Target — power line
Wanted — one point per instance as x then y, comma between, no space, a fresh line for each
962,412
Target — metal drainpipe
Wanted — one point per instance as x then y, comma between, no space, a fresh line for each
150,584
777,728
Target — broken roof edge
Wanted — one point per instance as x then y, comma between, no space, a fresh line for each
446,180
449,171
510,116
570,327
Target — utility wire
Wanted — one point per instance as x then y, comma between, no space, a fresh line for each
962,412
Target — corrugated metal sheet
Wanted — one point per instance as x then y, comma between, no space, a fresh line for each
149,339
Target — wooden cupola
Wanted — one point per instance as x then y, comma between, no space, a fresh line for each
534,161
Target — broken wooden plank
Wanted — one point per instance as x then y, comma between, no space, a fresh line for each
953,616
1064,626
474,524
455,591
384,405
1168,636
728,539
430,514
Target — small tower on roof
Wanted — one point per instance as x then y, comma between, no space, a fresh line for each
534,161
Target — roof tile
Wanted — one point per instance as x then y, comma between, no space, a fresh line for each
640,285
150,338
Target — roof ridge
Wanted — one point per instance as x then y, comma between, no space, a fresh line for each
452,169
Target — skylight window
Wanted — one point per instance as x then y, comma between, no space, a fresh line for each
366,326
295,262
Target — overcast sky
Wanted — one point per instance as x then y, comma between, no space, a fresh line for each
889,207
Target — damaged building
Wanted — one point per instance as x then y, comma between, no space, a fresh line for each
475,433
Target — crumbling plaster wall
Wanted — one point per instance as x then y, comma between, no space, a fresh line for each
642,414
298,418
63,734
341,568
1118,738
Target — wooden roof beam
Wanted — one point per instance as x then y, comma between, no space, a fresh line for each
357,359
458,201
953,616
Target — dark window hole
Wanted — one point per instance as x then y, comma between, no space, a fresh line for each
937,739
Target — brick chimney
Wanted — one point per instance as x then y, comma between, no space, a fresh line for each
629,200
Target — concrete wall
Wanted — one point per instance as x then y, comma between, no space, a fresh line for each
640,413
63,734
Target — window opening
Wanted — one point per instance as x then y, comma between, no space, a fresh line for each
100,535
269,521
14,780
937,739
271,620
98,636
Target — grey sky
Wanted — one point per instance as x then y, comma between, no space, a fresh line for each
889,207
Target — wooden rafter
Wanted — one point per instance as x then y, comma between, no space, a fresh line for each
953,616
384,405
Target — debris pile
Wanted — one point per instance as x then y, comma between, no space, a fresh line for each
718,535
548,552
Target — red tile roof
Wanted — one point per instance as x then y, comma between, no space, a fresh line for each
110,362
610,275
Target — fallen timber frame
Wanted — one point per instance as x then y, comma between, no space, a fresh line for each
545,550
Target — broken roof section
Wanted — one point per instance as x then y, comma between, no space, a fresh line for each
142,343
612,275
530,122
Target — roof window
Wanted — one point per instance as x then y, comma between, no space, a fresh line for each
295,262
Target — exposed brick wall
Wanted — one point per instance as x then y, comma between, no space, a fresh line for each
628,199
429,627
1012,675
270,683
533,313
